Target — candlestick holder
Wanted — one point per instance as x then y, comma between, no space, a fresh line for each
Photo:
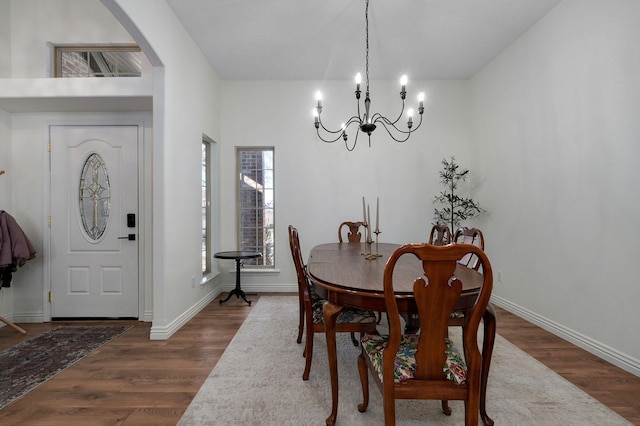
375,255
367,241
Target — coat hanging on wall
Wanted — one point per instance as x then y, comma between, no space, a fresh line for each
15,248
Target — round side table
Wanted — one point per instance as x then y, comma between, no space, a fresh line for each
238,256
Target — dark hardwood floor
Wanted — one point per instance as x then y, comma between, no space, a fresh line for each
135,381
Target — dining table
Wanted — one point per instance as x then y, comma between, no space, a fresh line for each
344,277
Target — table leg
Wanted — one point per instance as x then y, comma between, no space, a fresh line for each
489,323
331,312
237,291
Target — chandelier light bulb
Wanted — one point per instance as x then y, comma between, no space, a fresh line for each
403,80
358,78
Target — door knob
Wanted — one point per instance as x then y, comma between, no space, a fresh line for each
130,237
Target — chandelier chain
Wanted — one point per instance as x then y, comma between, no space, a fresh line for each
366,20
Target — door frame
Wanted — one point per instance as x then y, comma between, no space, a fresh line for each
145,246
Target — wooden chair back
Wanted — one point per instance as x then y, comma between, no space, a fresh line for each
440,235
353,233
436,295
298,262
469,236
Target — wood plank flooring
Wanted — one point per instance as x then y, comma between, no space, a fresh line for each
135,381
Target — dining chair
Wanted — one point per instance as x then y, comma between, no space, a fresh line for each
440,235
429,365
353,232
354,236
311,314
473,236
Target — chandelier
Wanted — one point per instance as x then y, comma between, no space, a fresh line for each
368,122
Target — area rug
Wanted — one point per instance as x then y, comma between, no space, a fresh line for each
258,381
32,362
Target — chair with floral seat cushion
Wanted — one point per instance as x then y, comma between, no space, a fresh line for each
440,235
313,294
429,365
353,234
311,314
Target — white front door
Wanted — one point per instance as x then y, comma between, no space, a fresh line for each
94,221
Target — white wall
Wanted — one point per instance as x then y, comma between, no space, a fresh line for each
24,136
5,162
556,139
186,105
6,305
38,23
5,38
320,185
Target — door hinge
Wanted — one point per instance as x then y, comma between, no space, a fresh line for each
50,297
49,146
49,220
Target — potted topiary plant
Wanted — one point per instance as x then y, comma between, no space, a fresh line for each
454,208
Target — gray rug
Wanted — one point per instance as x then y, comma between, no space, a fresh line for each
258,381
32,362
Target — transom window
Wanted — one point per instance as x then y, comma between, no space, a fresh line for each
98,61
256,204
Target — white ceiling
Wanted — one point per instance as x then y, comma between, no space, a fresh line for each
325,39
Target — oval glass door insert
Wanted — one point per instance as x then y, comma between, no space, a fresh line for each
94,196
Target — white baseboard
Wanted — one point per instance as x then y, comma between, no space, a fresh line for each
27,317
166,331
599,349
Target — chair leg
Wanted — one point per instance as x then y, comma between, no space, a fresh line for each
301,322
489,322
308,356
308,349
389,405
353,339
364,381
471,409
445,407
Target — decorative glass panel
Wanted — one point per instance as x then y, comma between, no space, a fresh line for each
95,196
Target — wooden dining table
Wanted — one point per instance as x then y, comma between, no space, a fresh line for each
343,277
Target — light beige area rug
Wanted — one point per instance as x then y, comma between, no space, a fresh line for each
258,381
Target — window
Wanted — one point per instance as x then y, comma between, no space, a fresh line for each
206,207
256,203
98,61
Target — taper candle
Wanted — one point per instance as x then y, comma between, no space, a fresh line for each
369,221
364,211
378,214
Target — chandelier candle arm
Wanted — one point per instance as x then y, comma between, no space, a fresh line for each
368,122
